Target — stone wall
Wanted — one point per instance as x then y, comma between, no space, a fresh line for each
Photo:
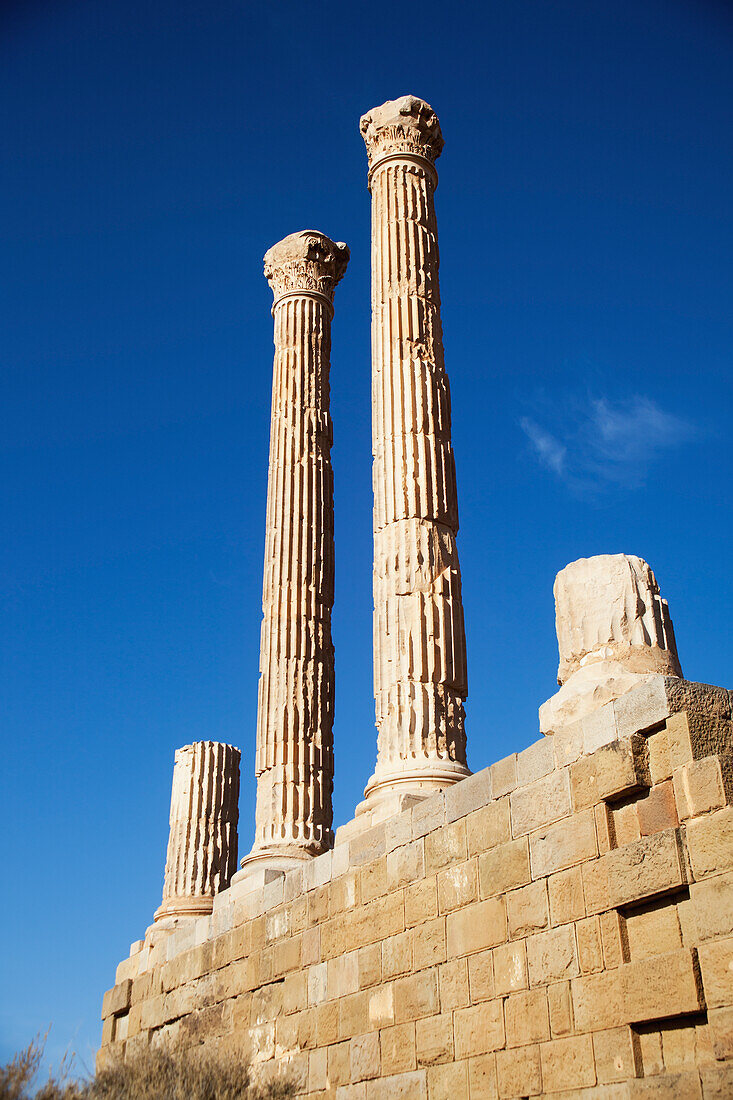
558,923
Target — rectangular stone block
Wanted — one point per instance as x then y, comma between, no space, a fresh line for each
434,1040
503,868
468,795
560,1004
380,1007
552,956
527,1018
489,826
564,844
421,901
624,825
404,1086
652,929
353,1014
568,743
721,1031
396,955
643,707
616,769
527,909
710,843
339,1064
482,1083
481,976
660,987
648,868
590,948
416,996
405,865
367,846
398,830
364,1057
510,967
117,1000
343,975
373,878
447,1081
716,966
700,786
598,1001
518,1072
327,1023
544,801
398,1048
457,886
447,845
429,943
568,1064
565,891
476,927
370,965
453,984
536,761
712,903
479,1029
612,938
657,810
110,1027
595,885
428,815
344,894
615,1055
504,775
599,728
318,1070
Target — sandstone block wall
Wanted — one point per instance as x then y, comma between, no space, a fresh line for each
560,923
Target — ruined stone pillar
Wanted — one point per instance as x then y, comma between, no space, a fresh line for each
613,630
419,639
294,762
202,843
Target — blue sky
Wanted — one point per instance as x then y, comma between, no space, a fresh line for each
152,153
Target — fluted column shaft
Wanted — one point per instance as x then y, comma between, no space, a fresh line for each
294,755
202,843
420,677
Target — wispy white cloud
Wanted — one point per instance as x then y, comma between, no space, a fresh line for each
549,450
600,443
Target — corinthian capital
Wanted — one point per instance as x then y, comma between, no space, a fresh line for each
402,126
307,262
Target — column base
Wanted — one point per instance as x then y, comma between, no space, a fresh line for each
263,865
175,908
418,781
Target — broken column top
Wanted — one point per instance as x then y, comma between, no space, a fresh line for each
402,126
613,631
609,608
306,261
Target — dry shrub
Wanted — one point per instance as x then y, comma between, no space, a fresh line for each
153,1074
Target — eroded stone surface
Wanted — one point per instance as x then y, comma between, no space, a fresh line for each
294,759
202,844
613,631
419,638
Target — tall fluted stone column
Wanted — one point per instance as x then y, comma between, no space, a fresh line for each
202,843
419,639
614,630
294,762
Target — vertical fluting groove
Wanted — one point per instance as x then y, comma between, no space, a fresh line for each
419,638
294,756
202,843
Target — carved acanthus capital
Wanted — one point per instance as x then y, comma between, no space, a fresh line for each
406,126
307,262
